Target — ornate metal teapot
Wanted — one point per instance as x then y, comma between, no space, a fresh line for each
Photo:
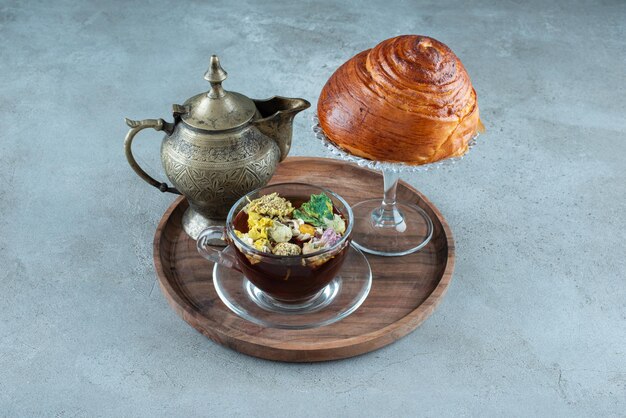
220,146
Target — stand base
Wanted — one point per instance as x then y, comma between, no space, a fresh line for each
408,231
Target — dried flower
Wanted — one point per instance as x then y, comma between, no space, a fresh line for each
270,205
286,248
279,232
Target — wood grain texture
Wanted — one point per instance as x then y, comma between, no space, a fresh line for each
409,99
405,290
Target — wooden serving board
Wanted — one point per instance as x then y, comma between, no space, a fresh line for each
405,290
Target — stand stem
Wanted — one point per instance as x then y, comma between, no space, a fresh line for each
388,215
390,179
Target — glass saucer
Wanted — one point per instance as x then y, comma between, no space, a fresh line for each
403,230
339,299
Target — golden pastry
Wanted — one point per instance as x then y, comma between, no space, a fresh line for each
408,99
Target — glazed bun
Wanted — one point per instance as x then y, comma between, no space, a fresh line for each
408,99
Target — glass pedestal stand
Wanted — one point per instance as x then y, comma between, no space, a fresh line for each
385,226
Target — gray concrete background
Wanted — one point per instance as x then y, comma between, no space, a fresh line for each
534,322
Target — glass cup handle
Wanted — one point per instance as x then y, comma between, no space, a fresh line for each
215,252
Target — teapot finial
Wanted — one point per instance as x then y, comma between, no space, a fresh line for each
215,75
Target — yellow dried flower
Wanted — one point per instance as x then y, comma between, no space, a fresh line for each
263,244
307,229
258,226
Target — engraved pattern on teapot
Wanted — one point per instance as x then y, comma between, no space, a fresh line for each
216,176
215,151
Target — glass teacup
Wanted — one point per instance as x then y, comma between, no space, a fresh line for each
292,279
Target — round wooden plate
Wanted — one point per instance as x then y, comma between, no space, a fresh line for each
405,290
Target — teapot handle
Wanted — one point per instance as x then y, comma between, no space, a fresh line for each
135,127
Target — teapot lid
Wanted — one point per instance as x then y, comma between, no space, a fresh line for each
217,109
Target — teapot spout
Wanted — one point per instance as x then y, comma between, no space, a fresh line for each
276,120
